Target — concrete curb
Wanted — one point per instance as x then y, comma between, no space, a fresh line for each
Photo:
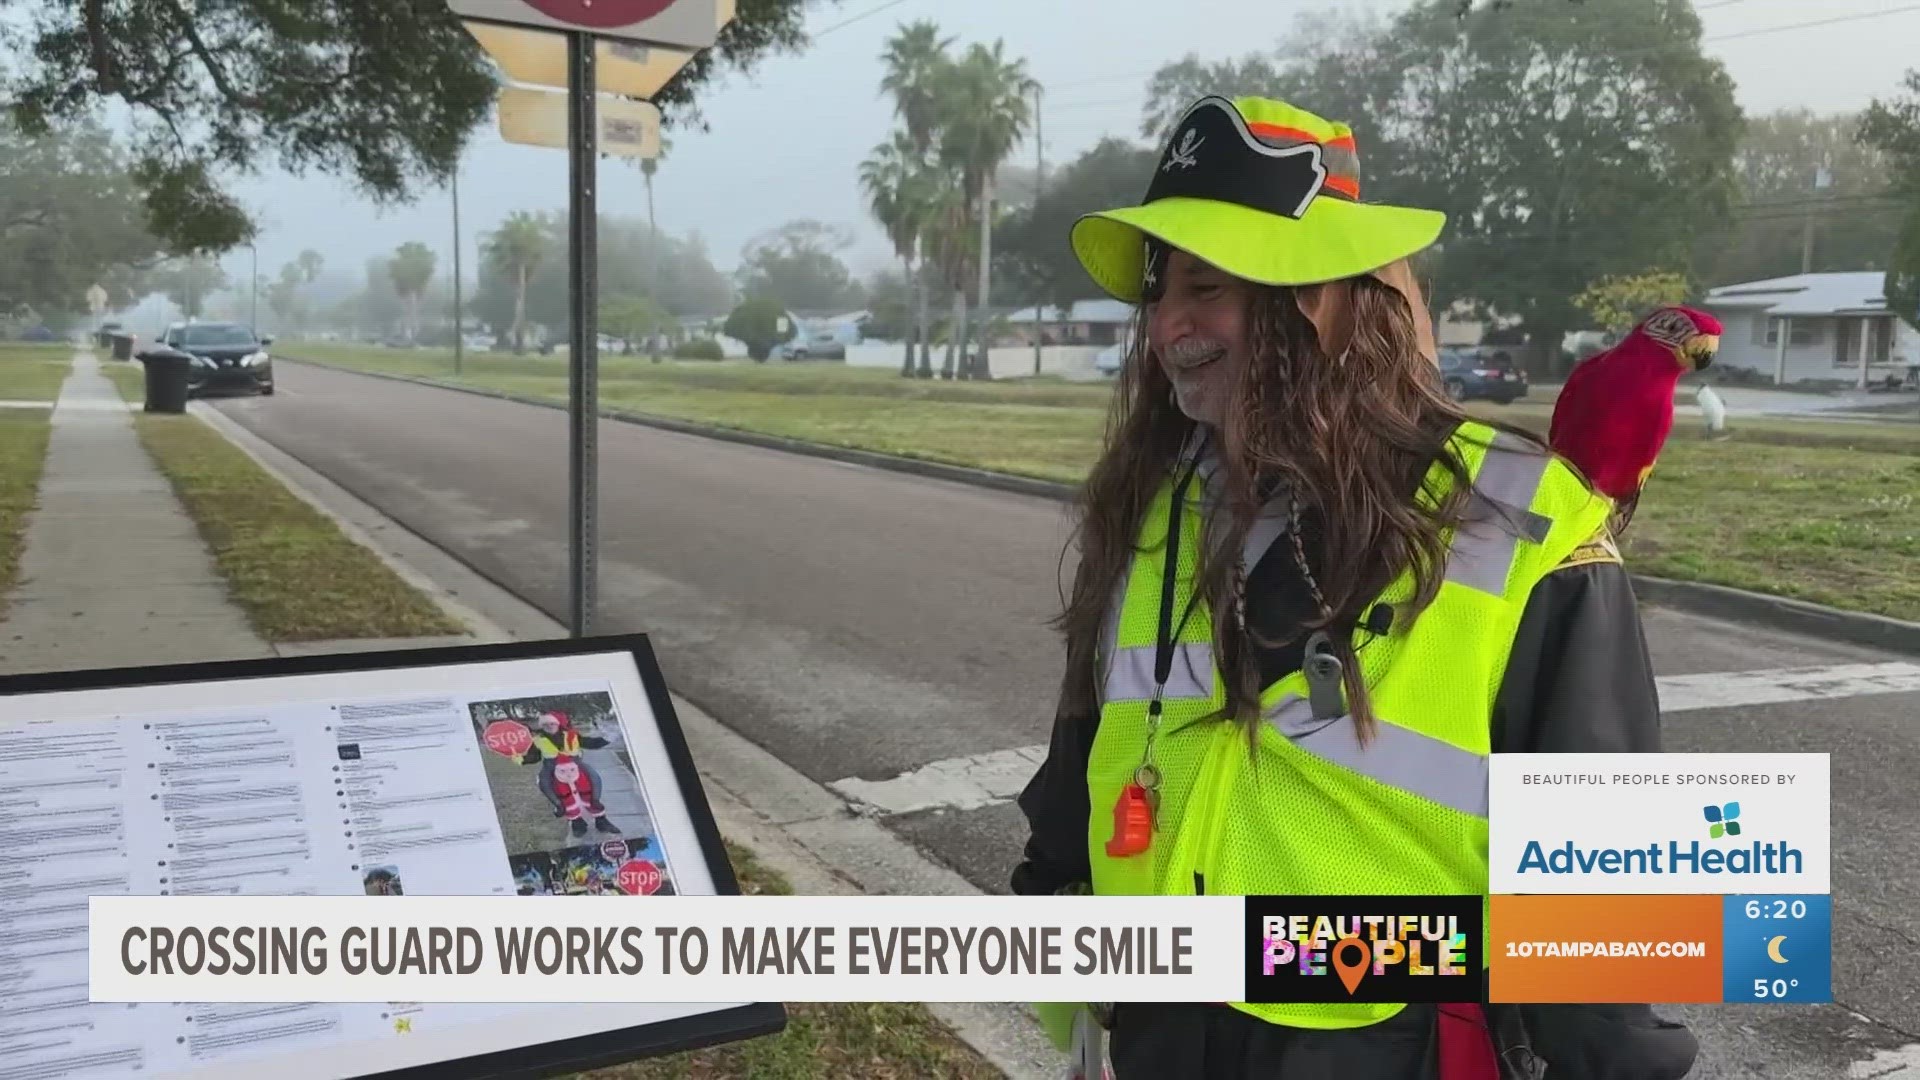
1781,613
1712,601
799,828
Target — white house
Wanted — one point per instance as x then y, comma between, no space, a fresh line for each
1814,328
1084,322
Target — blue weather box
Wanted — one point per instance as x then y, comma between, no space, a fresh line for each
1778,948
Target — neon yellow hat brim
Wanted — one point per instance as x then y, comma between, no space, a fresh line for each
1335,239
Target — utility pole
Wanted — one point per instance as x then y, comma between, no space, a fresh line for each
1039,186
1822,179
459,328
253,319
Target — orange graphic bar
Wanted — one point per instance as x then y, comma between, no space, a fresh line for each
1598,949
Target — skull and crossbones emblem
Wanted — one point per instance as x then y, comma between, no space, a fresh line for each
1182,153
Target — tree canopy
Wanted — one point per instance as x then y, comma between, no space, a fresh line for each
798,266
70,216
384,93
1893,127
1565,142
1031,246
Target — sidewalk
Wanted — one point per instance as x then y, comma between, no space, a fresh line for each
114,572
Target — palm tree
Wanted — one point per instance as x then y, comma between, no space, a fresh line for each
946,227
897,186
914,58
648,167
984,100
515,249
309,262
411,268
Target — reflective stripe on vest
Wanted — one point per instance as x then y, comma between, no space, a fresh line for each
1130,673
1397,756
1497,508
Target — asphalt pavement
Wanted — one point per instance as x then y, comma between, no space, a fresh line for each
882,632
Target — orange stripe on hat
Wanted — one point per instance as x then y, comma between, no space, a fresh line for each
1281,131
1345,185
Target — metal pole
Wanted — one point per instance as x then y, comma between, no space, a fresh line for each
253,319
459,328
583,360
1039,186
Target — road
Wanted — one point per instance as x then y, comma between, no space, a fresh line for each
863,624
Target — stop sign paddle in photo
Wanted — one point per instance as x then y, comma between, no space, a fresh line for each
639,878
508,738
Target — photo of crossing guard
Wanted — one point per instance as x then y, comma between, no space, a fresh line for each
563,782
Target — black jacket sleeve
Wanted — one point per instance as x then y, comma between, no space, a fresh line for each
1056,807
1580,680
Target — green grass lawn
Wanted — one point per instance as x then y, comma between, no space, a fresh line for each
129,379
883,1040
1822,511
289,567
33,372
23,451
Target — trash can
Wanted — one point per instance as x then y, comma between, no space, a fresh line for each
166,380
123,346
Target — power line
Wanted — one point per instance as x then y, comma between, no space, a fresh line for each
849,21
1856,17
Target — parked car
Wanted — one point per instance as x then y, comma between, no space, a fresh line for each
1482,374
824,347
226,356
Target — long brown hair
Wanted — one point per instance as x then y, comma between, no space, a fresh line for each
1352,437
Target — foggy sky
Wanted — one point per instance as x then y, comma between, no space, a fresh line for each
786,143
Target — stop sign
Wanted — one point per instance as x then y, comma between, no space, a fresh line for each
509,738
600,14
638,877
670,24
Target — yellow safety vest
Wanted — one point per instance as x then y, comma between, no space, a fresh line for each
1317,813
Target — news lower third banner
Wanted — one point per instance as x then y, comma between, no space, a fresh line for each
1660,878
437,949
1657,878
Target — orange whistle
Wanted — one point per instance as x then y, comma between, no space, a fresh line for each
1132,823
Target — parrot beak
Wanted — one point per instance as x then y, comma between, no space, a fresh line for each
1698,353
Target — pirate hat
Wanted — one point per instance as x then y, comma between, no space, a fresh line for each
1264,191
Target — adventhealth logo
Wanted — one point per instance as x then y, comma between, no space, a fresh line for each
1722,820
1674,857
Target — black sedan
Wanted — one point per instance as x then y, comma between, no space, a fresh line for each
1473,374
226,356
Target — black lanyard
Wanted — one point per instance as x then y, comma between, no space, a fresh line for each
1163,643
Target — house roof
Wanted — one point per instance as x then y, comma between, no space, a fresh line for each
1853,293
1086,311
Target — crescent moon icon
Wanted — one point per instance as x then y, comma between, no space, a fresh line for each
1773,949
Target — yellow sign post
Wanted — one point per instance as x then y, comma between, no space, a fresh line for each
532,116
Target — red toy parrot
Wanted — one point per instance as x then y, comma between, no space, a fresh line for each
1615,413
